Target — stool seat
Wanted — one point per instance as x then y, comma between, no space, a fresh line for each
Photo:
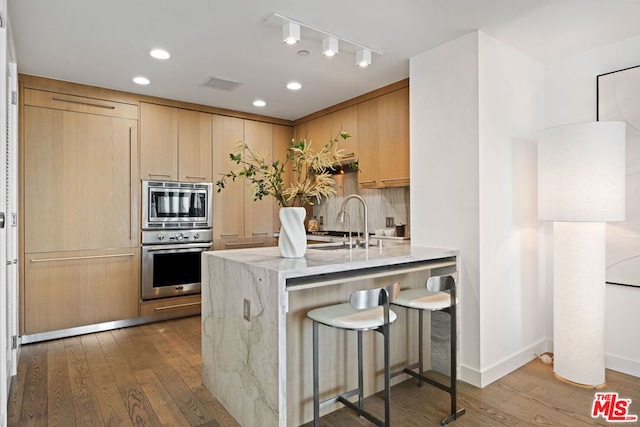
422,299
346,317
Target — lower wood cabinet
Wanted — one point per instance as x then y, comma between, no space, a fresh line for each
76,288
175,306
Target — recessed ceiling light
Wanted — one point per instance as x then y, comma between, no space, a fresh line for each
160,54
141,80
303,52
259,103
294,86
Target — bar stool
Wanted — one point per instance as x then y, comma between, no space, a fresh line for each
439,294
366,310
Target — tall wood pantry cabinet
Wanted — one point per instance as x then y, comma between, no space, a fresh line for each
80,216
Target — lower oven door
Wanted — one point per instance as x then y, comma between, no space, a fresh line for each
171,270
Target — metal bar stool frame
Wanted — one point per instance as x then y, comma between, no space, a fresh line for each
359,300
437,284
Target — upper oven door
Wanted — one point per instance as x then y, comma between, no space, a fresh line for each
176,204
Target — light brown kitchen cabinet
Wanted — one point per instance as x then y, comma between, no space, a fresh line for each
316,131
194,146
81,181
258,214
175,144
383,140
282,136
158,142
228,204
239,221
80,252
346,120
77,288
176,306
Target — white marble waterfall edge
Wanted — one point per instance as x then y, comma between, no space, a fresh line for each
245,362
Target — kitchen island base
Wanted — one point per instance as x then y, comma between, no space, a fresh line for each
260,368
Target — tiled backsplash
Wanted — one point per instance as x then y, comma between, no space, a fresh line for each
383,203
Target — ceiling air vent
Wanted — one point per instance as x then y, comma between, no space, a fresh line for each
222,84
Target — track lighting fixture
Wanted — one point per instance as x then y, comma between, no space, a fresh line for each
363,58
291,33
329,46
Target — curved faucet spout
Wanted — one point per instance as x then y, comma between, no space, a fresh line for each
366,215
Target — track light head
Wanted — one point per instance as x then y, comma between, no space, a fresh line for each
291,33
363,58
330,46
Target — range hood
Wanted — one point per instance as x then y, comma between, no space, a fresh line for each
346,166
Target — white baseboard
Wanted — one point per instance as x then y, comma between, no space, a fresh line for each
620,364
503,367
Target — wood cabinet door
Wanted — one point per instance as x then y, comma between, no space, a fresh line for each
194,142
158,142
228,205
282,136
346,120
69,289
368,137
81,181
393,145
316,131
258,214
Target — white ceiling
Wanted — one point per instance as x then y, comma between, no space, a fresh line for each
105,42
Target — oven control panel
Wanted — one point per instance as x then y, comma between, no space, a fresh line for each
176,236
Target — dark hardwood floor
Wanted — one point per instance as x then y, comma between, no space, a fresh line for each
150,376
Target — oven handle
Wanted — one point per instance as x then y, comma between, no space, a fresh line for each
156,248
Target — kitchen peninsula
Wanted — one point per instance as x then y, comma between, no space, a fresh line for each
256,338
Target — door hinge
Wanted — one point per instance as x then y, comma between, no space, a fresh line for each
14,342
14,97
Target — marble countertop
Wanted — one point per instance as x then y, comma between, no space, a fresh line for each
317,262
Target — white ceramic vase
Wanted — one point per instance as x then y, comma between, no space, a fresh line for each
293,237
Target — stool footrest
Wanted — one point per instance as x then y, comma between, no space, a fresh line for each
336,399
428,380
453,417
360,411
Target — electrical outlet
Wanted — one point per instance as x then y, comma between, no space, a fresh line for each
390,221
247,310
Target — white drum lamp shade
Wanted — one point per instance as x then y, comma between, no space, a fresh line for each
581,184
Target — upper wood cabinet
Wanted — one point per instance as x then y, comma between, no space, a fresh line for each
175,144
80,180
194,146
238,220
282,136
258,214
346,120
383,140
158,142
228,204
317,131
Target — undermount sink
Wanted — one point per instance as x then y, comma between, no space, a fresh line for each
329,246
334,246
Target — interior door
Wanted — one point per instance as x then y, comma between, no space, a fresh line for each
5,344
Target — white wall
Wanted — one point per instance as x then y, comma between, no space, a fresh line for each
476,107
512,302
444,170
570,97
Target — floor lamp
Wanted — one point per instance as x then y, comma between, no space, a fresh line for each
581,184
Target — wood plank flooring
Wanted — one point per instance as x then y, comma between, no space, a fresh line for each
150,375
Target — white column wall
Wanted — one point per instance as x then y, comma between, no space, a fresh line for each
512,299
570,97
476,108
444,172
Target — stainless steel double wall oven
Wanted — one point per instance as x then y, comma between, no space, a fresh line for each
176,229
